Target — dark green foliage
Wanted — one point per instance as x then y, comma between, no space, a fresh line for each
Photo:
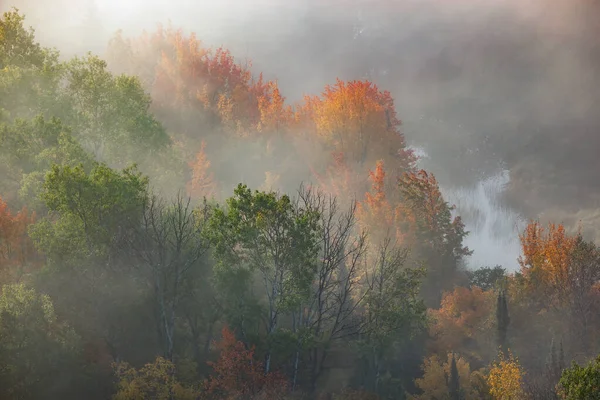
502,320
395,315
28,149
487,277
94,206
264,235
454,381
561,358
38,353
580,382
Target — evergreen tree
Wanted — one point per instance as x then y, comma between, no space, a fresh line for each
553,360
561,358
454,381
502,319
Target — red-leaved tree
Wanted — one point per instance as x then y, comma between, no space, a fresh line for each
238,375
17,252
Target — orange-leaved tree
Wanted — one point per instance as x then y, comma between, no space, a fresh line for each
464,322
358,119
17,252
560,273
339,179
376,214
275,115
548,263
237,374
202,183
192,85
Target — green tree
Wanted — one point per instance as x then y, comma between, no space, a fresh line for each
19,48
329,314
94,207
88,273
267,234
393,315
111,113
580,382
29,73
487,277
38,353
168,244
28,149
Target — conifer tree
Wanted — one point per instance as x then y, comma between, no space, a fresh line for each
561,358
502,319
553,360
454,381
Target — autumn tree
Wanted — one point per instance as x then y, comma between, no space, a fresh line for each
449,378
463,322
438,236
17,253
359,120
339,179
191,83
155,380
275,115
376,211
237,374
560,272
202,183
505,378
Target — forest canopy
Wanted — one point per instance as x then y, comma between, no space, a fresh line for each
171,227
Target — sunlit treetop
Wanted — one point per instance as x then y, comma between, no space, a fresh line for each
18,45
359,120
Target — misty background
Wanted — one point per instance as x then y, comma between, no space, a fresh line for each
500,97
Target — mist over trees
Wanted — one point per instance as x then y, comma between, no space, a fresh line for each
171,227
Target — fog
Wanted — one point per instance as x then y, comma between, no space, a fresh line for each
501,94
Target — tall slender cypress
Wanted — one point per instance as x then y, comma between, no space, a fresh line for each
502,319
561,358
552,363
454,381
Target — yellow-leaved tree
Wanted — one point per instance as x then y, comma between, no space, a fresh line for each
435,383
505,379
155,380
